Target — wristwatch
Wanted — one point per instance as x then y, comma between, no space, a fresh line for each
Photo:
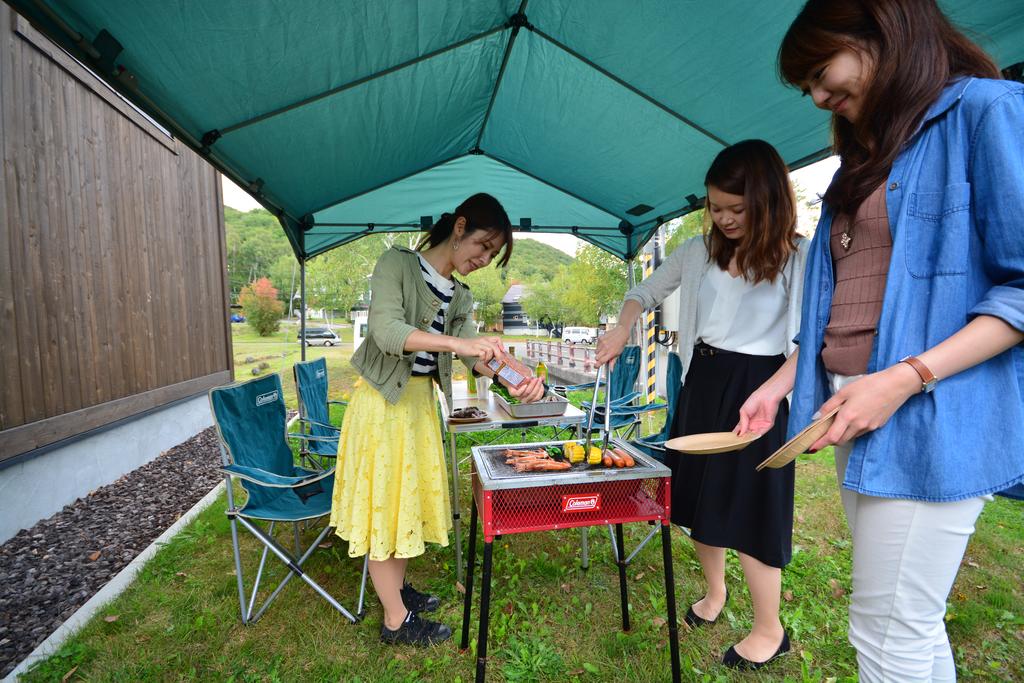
928,379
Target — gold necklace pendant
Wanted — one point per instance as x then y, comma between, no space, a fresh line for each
845,241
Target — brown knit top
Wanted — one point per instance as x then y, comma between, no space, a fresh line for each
860,274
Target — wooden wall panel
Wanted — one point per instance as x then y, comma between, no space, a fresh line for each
113,290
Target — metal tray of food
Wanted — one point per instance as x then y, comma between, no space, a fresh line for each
495,474
552,404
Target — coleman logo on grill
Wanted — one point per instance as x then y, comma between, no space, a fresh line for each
581,503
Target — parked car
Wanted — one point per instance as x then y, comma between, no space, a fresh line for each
236,318
579,335
320,336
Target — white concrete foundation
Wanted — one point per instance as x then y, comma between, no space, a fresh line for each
39,487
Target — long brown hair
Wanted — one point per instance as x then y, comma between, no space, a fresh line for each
916,51
753,169
482,212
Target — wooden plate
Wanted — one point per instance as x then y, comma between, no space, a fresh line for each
799,443
467,420
711,442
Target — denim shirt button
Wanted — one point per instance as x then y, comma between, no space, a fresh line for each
894,186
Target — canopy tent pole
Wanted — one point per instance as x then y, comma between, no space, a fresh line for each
637,331
650,362
302,309
631,282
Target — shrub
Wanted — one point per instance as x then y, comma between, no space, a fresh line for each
262,309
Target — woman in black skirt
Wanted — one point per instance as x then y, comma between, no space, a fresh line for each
739,310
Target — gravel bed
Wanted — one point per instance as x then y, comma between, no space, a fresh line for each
49,571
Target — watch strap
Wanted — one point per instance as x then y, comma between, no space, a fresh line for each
928,378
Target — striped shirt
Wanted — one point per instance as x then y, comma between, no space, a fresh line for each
425,362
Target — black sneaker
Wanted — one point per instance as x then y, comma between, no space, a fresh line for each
419,602
416,631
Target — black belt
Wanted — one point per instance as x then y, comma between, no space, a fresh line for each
702,349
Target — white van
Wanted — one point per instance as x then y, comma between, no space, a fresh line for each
579,335
320,336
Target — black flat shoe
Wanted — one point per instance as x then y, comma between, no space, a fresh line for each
419,602
735,660
694,620
416,631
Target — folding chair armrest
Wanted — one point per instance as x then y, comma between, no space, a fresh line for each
636,410
575,387
310,437
269,479
319,424
337,403
622,401
617,402
650,441
627,399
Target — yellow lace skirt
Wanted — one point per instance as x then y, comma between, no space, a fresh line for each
391,485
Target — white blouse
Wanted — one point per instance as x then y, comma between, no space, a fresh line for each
735,315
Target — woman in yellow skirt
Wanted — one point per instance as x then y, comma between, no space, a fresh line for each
391,486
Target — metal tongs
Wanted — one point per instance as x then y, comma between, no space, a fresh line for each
607,430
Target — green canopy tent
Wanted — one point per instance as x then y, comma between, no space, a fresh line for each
345,117
594,117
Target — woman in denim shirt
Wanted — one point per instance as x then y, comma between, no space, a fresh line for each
916,272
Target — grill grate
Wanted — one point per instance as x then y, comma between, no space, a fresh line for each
499,470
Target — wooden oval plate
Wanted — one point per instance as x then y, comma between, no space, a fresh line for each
710,442
799,443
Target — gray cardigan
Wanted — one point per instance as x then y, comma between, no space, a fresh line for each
686,267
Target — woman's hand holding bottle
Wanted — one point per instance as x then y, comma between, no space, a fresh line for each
483,348
529,391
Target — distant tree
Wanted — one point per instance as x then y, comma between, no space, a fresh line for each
591,286
488,287
285,272
534,261
262,309
255,243
598,282
546,300
690,225
808,210
335,280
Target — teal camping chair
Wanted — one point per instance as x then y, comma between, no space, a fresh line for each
625,418
654,444
625,414
251,424
319,436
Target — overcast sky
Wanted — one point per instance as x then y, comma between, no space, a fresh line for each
814,179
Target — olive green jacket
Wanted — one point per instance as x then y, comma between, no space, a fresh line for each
401,302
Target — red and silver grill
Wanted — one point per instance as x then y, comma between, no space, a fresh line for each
511,502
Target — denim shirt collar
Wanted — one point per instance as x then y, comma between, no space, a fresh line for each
949,96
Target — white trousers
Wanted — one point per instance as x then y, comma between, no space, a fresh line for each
906,555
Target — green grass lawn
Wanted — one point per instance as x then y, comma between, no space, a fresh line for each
550,620
281,351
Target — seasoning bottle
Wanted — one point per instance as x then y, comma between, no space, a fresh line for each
542,371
